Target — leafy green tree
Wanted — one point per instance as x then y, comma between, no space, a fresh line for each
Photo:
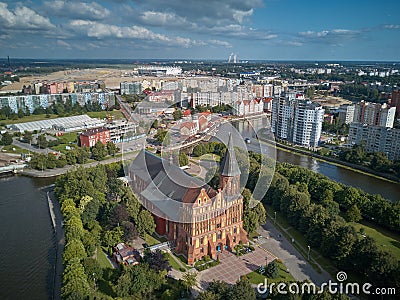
177,114
6,139
130,232
219,289
99,151
112,149
61,161
189,280
71,157
242,290
75,284
353,214
157,261
27,137
163,137
112,237
82,155
91,267
139,281
51,161
73,228
272,270
145,223
38,161
41,141
183,159
74,249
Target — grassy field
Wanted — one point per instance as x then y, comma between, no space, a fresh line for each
207,156
172,261
151,240
102,258
385,242
284,276
30,118
10,149
117,114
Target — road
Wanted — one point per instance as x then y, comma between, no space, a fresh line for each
279,246
60,171
29,147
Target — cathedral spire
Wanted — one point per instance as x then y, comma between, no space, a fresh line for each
229,166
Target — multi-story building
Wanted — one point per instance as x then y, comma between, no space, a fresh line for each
248,107
374,114
346,114
297,120
130,88
121,130
90,137
376,139
31,102
188,129
197,219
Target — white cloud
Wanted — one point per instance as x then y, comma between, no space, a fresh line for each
22,18
63,44
392,26
334,36
77,10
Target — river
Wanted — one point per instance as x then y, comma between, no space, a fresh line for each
370,184
27,242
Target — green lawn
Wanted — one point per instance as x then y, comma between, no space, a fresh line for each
102,259
284,276
117,114
150,240
28,119
207,156
172,261
388,243
10,149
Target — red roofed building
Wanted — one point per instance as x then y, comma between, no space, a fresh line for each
267,104
90,137
197,219
126,255
187,113
188,129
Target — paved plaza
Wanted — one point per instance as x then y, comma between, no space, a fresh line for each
232,267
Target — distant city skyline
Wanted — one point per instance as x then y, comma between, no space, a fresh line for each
192,29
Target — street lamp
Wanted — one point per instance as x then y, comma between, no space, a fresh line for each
94,280
309,252
275,217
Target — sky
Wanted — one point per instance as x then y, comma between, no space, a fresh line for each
201,29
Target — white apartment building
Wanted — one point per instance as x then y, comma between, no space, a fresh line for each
374,114
376,139
248,107
346,113
297,120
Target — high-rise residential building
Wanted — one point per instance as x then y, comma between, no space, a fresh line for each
296,119
374,114
376,139
346,114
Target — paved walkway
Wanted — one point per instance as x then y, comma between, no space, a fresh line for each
232,267
276,243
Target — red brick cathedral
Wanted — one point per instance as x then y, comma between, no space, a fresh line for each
198,219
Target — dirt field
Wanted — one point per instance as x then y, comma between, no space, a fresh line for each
111,77
332,101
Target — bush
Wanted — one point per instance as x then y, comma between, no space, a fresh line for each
182,269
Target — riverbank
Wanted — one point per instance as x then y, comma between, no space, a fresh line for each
346,165
58,231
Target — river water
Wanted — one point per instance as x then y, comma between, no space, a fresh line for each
365,182
27,252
